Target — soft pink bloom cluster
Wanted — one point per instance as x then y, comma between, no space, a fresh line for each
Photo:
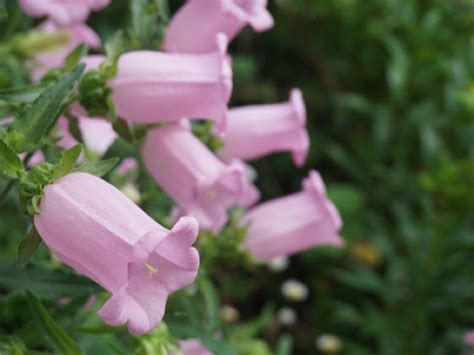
193,347
97,230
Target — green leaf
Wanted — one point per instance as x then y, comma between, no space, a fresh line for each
75,56
211,301
163,9
98,168
285,345
63,343
68,161
23,94
27,247
123,130
33,122
10,163
45,282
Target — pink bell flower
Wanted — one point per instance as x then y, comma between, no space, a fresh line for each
78,34
202,185
294,223
96,230
63,12
195,25
256,131
153,87
193,347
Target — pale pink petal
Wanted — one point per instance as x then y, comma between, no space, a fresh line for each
291,224
153,87
256,131
98,231
201,185
194,27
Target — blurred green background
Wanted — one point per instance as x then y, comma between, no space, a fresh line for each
389,88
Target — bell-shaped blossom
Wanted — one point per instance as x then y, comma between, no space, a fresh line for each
63,12
77,34
95,229
193,347
255,131
291,224
97,134
194,26
202,185
155,87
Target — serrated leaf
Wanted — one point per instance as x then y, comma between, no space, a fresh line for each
63,343
23,94
75,56
33,122
10,163
68,162
98,168
27,247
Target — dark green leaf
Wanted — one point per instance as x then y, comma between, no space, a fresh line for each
211,301
75,56
27,247
98,168
10,163
123,129
285,345
67,162
47,283
63,343
163,9
24,94
33,122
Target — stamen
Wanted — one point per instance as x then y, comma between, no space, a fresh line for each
210,193
151,270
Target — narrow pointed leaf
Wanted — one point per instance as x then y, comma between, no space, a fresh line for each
98,168
23,94
62,342
10,164
33,122
68,161
75,56
27,247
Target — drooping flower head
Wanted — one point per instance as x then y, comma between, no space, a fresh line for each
98,231
291,224
63,13
153,86
258,130
202,185
195,25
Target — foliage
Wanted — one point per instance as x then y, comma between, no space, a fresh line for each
389,90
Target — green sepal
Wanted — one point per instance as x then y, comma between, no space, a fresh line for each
68,161
11,165
58,338
25,132
98,168
27,247
32,185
